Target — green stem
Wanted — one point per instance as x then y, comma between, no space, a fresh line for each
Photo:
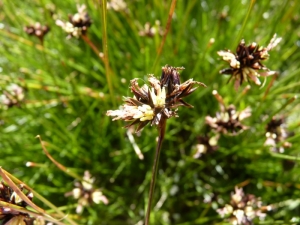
162,129
93,47
245,21
168,27
108,72
282,156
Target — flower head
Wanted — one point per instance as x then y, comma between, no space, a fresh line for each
78,23
156,102
117,5
206,145
37,30
13,95
228,120
86,194
276,133
151,31
243,208
246,64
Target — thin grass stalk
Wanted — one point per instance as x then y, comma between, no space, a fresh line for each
60,166
269,86
168,27
93,47
108,73
183,25
244,23
162,129
282,156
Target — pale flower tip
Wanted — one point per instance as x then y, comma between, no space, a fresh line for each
76,193
257,82
214,92
59,23
220,53
29,164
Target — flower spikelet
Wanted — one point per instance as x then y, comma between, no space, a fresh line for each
147,105
155,102
78,23
276,135
37,30
228,120
86,194
246,63
243,208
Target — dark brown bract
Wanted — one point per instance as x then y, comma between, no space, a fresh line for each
175,91
246,64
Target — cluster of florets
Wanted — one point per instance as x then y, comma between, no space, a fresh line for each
228,120
78,23
151,31
205,145
246,64
37,30
156,102
12,95
86,194
276,135
117,5
243,208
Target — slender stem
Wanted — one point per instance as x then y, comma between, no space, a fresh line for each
282,156
245,21
162,129
269,86
93,47
168,26
108,72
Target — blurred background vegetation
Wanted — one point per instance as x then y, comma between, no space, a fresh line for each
67,95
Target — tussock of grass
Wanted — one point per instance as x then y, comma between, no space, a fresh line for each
68,90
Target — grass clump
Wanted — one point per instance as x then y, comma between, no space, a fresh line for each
235,150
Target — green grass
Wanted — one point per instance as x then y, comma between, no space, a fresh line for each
67,94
